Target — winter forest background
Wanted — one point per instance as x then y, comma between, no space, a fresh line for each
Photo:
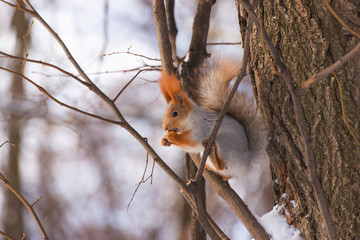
86,170
81,172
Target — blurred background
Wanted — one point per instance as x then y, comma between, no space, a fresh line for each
84,170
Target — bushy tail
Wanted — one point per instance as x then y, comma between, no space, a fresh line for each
212,92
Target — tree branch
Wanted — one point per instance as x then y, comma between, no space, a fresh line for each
6,236
197,50
340,20
26,204
163,35
196,193
234,201
314,79
41,89
46,64
170,4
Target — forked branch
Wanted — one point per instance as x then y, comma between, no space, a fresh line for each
26,204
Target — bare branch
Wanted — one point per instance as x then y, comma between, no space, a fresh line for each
143,180
301,122
234,201
314,79
343,110
6,236
126,85
197,50
7,142
194,188
163,35
59,40
46,64
36,201
135,54
18,7
170,4
26,204
41,89
340,20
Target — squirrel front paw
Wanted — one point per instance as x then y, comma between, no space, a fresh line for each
170,138
165,142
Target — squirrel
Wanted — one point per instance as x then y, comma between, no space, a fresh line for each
239,149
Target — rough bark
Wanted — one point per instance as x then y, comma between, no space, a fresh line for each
309,39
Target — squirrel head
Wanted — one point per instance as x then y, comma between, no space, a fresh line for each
179,105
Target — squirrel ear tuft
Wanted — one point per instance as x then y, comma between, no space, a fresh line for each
163,87
179,100
170,86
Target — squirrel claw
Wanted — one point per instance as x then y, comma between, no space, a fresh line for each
165,142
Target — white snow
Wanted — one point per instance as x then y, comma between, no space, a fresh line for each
275,225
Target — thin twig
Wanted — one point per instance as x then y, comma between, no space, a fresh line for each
126,85
36,201
135,54
340,20
41,89
18,7
343,110
23,236
26,204
7,142
46,64
301,122
6,236
59,40
25,45
314,79
143,180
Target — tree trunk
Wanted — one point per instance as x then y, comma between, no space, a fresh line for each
309,39
13,207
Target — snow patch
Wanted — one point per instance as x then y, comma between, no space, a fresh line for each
275,225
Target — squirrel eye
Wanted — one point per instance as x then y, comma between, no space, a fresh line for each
174,114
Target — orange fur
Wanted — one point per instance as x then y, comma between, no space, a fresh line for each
219,162
170,86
